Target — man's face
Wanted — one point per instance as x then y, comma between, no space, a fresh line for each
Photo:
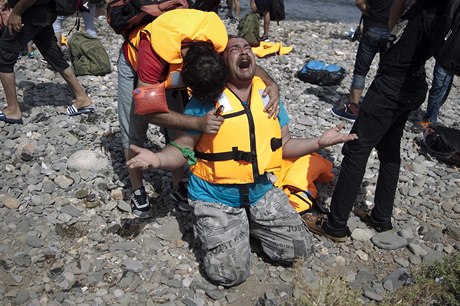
240,60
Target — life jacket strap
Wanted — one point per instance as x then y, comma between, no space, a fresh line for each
235,154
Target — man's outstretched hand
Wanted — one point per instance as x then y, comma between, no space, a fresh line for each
334,136
143,159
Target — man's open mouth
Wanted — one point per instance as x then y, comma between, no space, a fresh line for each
244,63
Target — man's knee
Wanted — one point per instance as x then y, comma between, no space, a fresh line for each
288,251
226,271
7,61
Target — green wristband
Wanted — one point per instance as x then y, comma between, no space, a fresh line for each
188,154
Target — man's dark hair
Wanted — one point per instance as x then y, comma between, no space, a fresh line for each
204,72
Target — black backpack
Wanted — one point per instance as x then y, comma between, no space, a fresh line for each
443,143
445,36
126,15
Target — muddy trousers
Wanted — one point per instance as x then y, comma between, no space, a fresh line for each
224,233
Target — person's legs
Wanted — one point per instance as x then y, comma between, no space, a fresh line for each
371,127
230,8
47,44
176,102
57,27
133,131
440,88
81,98
10,47
390,159
12,109
88,19
237,9
371,43
266,23
223,232
30,50
279,228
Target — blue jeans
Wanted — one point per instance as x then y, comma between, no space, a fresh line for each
440,88
133,127
374,40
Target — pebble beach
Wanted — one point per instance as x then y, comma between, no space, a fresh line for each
67,236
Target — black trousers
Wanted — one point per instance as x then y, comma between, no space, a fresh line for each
43,37
380,125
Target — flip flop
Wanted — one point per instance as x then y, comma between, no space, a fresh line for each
73,111
5,119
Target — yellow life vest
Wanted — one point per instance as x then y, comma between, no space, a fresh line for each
247,145
173,29
297,179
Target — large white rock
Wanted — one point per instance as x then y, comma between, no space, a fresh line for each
87,160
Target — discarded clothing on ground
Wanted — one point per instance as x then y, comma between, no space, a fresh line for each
442,143
297,179
267,48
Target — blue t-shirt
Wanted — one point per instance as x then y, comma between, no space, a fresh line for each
228,194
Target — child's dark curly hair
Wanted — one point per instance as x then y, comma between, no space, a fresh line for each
204,71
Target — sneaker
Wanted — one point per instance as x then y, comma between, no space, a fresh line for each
31,55
264,38
140,206
179,194
366,216
317,224
344,113
420,126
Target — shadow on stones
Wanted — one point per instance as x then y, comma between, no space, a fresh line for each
70,231
327,94
42,94
130,228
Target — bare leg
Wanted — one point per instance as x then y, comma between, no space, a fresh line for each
266,23
81,98
230,8
355,96
12,110
237,9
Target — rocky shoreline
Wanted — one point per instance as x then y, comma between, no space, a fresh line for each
67,236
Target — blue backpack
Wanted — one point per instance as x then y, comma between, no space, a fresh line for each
320,73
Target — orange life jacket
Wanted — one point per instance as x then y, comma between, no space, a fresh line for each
171,30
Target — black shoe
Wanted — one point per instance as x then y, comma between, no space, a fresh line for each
366,216
140,206
180,195
318,224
